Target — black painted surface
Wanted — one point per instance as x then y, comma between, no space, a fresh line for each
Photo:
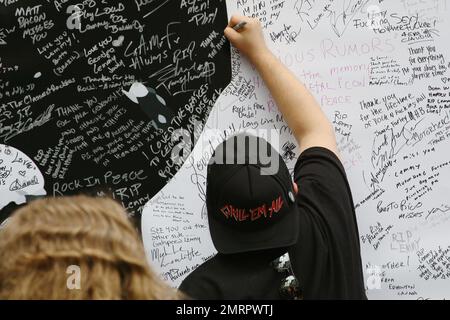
78,97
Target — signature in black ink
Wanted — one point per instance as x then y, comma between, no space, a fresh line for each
339,18
18,185
288,151
174,273
199,181
442,209
287,34
5,173
340,21
173,255
386,145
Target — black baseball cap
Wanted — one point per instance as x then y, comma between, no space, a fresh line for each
250,197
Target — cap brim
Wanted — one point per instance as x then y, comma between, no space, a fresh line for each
282,234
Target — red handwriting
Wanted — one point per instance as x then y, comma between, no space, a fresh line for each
264,210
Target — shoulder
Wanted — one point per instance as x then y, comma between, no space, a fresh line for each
321,176
318,162
324,192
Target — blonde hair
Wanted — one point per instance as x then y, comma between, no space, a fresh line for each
41,240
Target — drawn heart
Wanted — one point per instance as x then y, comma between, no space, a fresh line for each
111,141
445,80
22,173
118,42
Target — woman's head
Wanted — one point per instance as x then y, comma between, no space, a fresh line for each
45,241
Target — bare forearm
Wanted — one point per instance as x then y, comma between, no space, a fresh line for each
299,108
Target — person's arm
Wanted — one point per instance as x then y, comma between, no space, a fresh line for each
302,113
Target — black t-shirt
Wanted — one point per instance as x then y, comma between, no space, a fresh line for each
235,277
326,259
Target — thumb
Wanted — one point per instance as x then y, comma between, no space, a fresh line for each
232,35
